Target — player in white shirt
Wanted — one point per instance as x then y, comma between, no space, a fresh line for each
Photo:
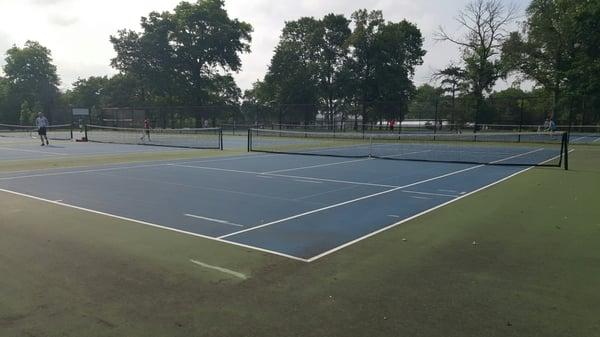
41,123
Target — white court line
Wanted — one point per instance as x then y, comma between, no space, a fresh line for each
51,174
518,155
213,169
347,244
406,154
221,269
262,176
154,225
282,175
420,198
34,151
334,181
597,139
432,194
315,166
257,248
578,138
342,162
229,158
225,222
370,196
451,191
158,162
308,181
349,202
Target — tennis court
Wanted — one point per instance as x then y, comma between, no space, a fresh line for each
22,143
297,206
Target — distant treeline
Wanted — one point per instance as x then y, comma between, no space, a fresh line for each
333,68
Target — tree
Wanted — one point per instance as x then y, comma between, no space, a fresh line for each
322,63
122,90
4,99
398,50
584,75
485,22
384,57
292,80
362,65
425,103
452,82
334,53
88,92
31,77
544,53
181,55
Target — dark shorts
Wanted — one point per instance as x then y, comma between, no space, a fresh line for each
42,131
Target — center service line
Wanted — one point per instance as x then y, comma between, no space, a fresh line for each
350,201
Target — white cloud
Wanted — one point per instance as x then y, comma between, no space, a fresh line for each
78,32
47,2
62,21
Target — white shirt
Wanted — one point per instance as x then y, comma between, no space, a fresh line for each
41,122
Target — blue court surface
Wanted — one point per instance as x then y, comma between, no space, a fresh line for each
301,207
585,138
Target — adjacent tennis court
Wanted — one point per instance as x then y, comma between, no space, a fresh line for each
298,206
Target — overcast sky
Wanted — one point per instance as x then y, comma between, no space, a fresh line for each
77,31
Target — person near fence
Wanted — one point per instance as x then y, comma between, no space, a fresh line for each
146,130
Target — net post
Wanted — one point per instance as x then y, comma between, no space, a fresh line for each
221,139
521,110
85,132
566,147
249,140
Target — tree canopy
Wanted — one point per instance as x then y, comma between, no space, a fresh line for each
485,24
30,80
323,63
185,56
334,67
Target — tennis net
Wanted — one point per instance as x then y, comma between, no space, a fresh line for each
205,138
55,132
519,149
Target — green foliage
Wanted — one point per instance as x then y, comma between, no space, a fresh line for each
180,56
363,61
334,52
306,67
398,50
484,23
122,90
30,80
423,104
27,113
293,73
4,98
559,50
88,92
544,52
322,63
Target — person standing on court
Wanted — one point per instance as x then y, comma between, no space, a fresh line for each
41,123
146,129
